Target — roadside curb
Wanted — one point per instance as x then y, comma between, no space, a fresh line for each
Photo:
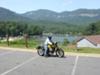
18,49
66,53
82,54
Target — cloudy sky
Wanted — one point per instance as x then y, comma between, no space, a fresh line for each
21,6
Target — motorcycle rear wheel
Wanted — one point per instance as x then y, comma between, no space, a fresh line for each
40,52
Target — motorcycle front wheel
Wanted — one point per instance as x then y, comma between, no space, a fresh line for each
60,53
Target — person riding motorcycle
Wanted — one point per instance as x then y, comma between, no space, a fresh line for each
50,48
47,42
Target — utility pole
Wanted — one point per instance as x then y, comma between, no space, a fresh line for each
26,40
7,37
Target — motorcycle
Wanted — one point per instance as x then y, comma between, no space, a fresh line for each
52,49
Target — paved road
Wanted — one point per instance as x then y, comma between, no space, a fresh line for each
28,63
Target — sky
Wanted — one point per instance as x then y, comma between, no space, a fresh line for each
22,6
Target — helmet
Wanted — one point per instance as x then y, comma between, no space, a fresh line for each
50,37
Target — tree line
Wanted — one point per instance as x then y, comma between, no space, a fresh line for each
12,28
18,28
93,29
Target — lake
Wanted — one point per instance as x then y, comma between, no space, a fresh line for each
58,38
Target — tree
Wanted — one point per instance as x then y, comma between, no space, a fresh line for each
91,29
65,42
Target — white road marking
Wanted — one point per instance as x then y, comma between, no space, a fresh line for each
75,65
5,53
18,66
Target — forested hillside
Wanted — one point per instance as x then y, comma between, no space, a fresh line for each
19,28
93,29
8,15
76,17
81,21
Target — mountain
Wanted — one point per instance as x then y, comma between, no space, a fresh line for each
76,17
80,16
41,15
8,15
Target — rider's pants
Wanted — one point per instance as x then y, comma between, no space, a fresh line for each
46,49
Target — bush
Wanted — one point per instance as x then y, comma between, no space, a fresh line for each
65,42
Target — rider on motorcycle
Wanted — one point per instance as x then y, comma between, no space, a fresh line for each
50,48
47,42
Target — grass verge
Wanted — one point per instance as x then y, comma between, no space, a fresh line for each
82,50
33,43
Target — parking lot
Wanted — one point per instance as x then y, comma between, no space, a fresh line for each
29,63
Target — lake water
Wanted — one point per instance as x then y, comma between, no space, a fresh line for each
58,38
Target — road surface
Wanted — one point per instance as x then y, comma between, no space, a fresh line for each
29,63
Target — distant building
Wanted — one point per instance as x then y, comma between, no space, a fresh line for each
89,41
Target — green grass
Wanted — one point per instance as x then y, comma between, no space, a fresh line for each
82,50
32,43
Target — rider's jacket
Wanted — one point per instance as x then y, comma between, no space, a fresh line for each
47,41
